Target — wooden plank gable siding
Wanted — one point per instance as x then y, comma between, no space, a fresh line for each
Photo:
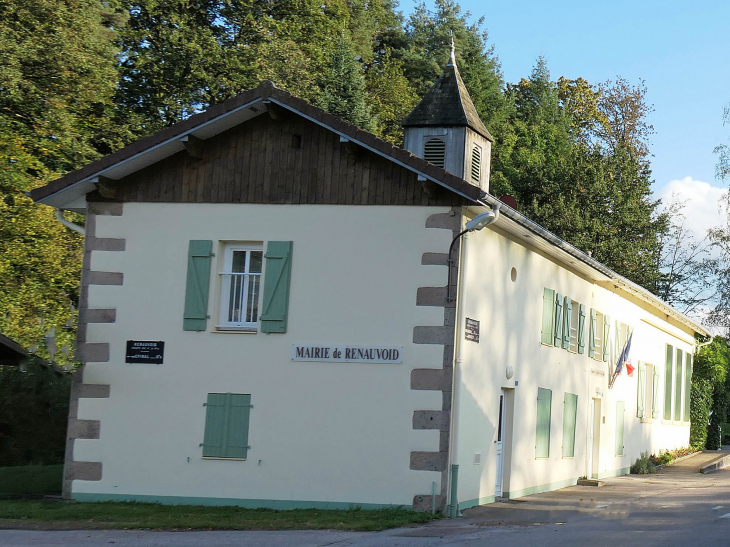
257,162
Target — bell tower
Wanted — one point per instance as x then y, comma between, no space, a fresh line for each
445,129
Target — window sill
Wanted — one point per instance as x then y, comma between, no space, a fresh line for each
224,459
667,422
235,330
647,420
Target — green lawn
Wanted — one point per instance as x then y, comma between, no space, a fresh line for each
106,515
31,479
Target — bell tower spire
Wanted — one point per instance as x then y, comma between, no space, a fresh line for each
445,128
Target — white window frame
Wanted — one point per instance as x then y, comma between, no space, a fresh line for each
246,278
598,337
574,325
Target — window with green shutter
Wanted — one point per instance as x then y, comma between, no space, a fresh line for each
570,409
226,426
200,253
542,442
592,334
548,316
582,329
687,384
558,335
668,383
641,392
275,308
606,334
620,428
678,386
567,321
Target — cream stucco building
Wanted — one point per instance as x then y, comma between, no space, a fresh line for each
270,316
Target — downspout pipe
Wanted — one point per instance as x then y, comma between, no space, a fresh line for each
69,224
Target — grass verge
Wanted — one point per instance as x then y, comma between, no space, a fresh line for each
121,515
31,479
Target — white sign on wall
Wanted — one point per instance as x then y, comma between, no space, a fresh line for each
338,353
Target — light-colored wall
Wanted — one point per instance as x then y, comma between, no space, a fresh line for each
510,314
336,432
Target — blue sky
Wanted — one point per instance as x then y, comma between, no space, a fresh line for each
681,50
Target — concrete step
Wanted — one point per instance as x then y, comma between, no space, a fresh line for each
590,482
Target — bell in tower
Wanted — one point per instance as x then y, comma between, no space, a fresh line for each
445,129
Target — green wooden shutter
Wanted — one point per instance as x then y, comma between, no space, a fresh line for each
542,443
678,386
606,333
592,335
567,319
668,383
226,425
548,315
582,329
276,286
238,417
200,254
655,393
620,428
570,408
558,335
641,392
687,384
215,426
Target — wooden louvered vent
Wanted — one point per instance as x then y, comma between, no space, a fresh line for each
434,152
476,164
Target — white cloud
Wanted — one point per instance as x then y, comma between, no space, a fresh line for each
702,207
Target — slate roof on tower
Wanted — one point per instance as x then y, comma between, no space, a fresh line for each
447,104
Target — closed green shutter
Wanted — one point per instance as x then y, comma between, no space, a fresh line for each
641,392
668,383
226,425
620,428
558,337
200,254
570,408
276,286
678,386
568,317
582,329
238,418
606,333
548,315
687,384
215,426
592,335
655,393
542,443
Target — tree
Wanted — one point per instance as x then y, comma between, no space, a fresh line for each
722,168
343,86
58,75
709,392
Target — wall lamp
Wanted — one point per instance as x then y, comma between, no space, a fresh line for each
474,225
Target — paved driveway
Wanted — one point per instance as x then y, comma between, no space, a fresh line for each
676,507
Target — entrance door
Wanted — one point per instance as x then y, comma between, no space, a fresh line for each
594,440
500,451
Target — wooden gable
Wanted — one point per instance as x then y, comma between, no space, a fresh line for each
290,160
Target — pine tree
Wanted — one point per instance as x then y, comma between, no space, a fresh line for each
343,86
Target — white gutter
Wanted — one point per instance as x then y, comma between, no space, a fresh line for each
69,224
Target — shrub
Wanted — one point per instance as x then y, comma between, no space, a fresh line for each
643,465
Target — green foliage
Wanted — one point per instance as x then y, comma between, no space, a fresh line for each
343,86
33,414
31,479
666,457
709,399
643,465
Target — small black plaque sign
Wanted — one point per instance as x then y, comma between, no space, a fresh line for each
471,331
145,352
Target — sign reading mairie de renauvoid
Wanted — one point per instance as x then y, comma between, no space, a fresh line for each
139,351
340,353
471,330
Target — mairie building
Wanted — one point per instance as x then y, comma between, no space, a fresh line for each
279,309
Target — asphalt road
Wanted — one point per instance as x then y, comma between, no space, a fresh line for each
677,507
